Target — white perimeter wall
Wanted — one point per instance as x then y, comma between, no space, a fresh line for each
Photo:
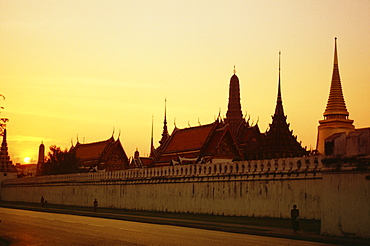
346,204
256,188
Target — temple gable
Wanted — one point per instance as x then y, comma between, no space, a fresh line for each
107,155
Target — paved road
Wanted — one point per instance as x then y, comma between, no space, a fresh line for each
40,228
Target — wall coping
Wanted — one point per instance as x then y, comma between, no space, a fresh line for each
284,168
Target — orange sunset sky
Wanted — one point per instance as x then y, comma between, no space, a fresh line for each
84,67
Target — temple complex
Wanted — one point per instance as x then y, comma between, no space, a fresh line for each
232,138
336,115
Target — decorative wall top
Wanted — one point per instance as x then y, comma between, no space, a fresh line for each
283,168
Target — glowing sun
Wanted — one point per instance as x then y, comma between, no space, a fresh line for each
27,160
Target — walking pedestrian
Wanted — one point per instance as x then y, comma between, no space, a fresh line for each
294,214
42,201
95,205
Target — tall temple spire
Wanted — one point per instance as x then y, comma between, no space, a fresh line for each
6,165
152,149
279,141
336,107
336,114
165,134
234,115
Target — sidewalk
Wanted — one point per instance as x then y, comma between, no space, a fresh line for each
270,227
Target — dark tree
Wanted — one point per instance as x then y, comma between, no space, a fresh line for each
60,162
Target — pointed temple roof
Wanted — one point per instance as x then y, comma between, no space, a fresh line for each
93,150
336,107
109,153
279,140
234,116
165,134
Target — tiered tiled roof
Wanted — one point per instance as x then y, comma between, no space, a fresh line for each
195,143
108,154
92,151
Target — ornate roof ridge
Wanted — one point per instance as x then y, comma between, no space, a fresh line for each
109,140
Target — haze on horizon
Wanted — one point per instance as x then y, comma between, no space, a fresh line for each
82,68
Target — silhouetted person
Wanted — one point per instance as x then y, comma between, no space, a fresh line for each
95,205
294,214
42,201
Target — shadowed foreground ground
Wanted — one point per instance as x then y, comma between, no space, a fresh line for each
273,227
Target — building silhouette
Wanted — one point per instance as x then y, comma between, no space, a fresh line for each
279,141
6,165
234,116
41,159
232,138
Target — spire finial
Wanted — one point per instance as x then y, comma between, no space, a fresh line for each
279,102
151,138
279,86
165,131
234,70
165,111
335,52
279,58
